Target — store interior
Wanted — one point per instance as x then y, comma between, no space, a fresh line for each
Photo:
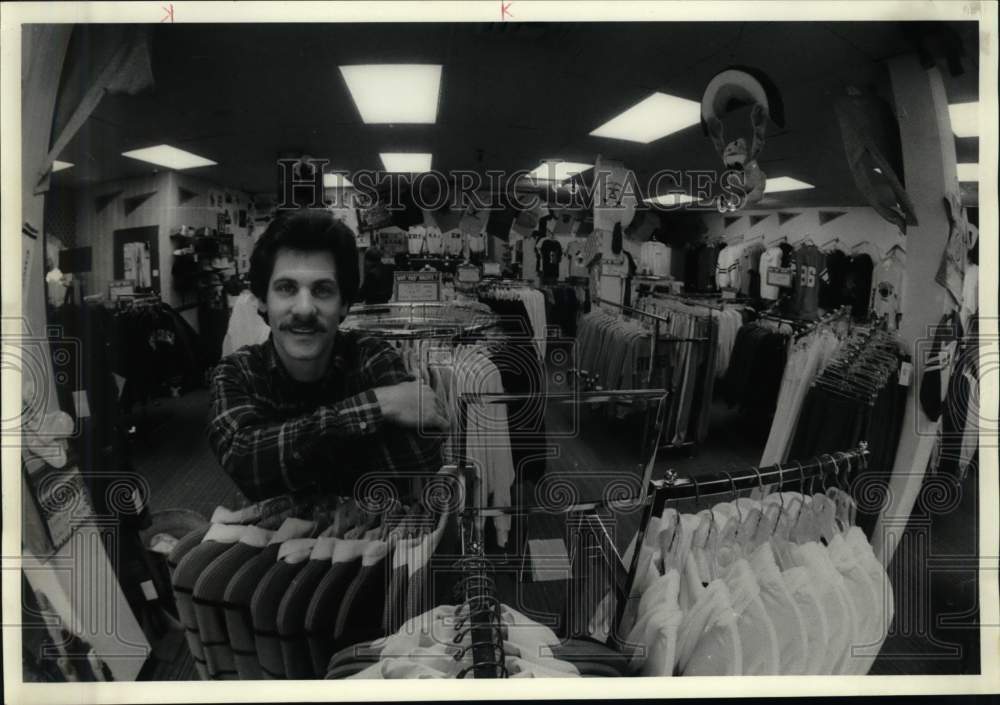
649,340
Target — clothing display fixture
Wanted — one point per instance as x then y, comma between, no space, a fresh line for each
782,585
514,301
276,602
728,317
686,353
753,378
563,303
808,356
614,351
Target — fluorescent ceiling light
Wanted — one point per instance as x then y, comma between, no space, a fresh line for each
558,171
170,157
400,93
59,166
785,183
964,119
406,162
336,181
657,116
671,199
968,172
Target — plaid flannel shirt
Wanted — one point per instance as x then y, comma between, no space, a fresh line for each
274,435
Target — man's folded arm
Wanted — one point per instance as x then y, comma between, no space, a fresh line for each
265,456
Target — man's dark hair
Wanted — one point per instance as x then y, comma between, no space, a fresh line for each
306,230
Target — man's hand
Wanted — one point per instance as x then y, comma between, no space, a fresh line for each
411,404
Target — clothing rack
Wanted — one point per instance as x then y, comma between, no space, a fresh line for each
655,337
472,540
830,317
131,301
421,320
690,299
477,589
505,284
675,488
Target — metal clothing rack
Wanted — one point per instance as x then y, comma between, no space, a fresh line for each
472,540
477,590
421,320
691,299
656,338
674,488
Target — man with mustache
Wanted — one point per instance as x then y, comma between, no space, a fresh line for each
314,407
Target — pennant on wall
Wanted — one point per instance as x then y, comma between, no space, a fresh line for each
184,195
730,220
101,202
754,219
785,216
134,202
827,216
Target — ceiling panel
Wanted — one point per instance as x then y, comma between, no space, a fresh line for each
512,95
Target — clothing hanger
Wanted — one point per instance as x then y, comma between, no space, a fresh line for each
837,496
755,519
800,531
669,541
726,547
702,537
852,507
824,508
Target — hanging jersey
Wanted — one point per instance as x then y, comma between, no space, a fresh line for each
551,255
831,280
434,242
577,256
806,268
770,258
723,264
857,285
887,284
750,270
654,259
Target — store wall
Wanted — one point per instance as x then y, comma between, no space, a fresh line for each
857,225
95,227
164,209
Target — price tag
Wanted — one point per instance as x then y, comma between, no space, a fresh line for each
779,276
905,374
728,295
491,269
